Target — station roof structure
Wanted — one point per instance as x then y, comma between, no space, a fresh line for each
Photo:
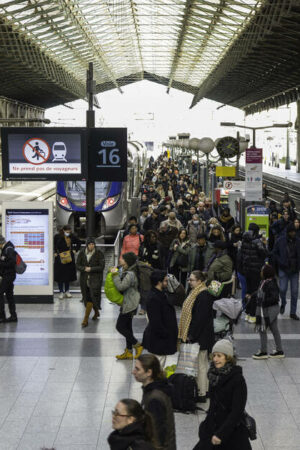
244,53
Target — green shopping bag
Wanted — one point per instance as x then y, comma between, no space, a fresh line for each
111,292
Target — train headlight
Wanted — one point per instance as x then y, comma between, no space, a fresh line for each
63,201
110,202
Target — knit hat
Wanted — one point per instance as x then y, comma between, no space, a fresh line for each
2,239
254,227
130,258
220,244
223,346
290,227
90,240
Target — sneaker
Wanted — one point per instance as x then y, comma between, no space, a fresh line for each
260,355
61,295
277,355
12,319
246,318
294,317
252,319
68,294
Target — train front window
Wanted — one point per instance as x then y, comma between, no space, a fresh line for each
76,191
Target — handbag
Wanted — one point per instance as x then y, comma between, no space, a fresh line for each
188,359
250,424
182,260
65,257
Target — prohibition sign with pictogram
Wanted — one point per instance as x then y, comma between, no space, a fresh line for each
36,151
228,185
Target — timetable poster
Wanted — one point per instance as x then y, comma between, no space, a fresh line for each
28,231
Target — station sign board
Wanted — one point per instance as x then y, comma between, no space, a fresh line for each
107,154
43,153
233,185
253,176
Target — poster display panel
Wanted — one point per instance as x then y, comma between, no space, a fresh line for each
43,153
28,225
253,177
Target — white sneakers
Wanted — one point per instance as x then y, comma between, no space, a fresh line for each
67,294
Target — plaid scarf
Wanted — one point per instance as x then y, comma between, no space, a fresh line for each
214,374
186,313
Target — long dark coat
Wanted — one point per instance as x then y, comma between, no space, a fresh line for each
201,328
130,437
91,281
227,404
160,335
65,272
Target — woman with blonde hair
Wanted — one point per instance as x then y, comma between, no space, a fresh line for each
196,326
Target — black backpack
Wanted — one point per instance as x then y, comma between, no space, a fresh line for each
184,392
143,272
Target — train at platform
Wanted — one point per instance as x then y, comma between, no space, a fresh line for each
112,198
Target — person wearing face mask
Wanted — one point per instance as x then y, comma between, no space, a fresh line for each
223,426
195,227
65,243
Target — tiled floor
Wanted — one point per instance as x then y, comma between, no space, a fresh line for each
58,383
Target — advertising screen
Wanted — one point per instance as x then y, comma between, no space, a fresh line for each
28,230
43,153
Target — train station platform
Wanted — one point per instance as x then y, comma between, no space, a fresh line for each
59,382
289,175
28,191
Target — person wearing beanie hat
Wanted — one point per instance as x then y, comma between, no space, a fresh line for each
223,426
267,310
127,284
90,263
286,253
252,257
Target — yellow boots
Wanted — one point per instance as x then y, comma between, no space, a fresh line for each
138,349
126,355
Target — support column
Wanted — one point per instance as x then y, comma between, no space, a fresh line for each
298,136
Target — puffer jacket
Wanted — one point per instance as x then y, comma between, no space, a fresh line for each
127,283
221,268
252,254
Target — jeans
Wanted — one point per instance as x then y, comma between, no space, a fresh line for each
243,284
61,286
124,327
284,279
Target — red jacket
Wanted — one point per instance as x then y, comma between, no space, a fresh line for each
131,243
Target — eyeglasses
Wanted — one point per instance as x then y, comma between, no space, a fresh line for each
117,414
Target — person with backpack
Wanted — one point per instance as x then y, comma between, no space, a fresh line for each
224,427
160,335
197,326
8,275
267,310
157,399
90,263
133,427
127,284
132,241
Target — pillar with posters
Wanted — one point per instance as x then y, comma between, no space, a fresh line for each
253,176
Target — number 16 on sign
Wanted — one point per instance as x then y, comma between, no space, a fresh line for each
109,156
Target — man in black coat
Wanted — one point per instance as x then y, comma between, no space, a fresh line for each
286,254
8,274
160,335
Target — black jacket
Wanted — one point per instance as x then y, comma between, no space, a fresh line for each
252,254
281,254
160,335
65,272
157,402
130,437
151,254
201,328
8,261
227,404
151,224
271,293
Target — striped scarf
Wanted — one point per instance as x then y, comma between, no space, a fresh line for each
186,314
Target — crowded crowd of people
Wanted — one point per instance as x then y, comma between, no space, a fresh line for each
182,238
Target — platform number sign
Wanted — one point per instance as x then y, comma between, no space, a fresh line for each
108,154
